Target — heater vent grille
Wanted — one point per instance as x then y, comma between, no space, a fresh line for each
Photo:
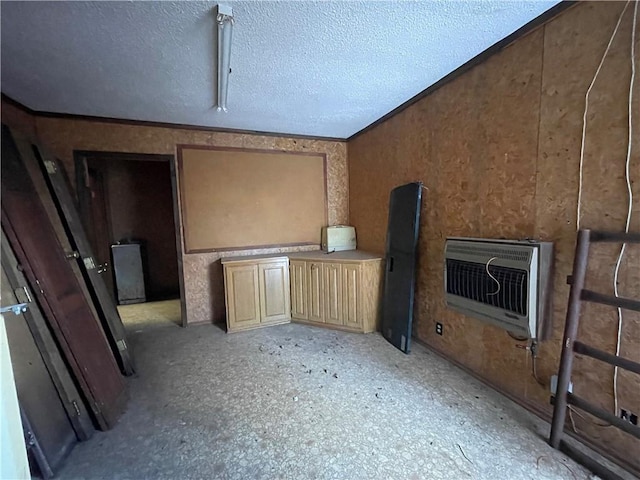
470,280
506,283
492,251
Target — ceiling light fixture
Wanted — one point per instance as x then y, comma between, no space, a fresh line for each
224,19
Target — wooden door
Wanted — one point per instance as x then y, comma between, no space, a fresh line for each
36,392
350,295
48,177
49,351
315,288
243,296
275,303
298,275
44,263
93,210
98,226
332,277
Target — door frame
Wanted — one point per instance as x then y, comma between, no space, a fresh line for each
80,164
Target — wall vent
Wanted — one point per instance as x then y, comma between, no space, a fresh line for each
504,282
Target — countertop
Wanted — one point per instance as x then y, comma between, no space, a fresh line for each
317,255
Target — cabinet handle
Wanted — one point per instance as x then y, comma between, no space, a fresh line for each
390,264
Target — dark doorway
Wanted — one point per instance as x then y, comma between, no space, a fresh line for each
130,198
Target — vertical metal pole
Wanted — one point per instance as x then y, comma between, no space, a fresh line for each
570,332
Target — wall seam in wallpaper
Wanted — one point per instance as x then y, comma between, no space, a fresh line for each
535,190
348,180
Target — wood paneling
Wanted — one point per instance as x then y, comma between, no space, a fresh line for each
573,48
498,150
16,117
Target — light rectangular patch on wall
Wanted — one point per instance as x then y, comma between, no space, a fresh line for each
237,198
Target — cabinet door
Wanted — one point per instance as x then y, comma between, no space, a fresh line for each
243,299
350,294
298,276
275,302
315,288
332,276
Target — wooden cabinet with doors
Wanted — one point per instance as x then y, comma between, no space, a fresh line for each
342,289
257,291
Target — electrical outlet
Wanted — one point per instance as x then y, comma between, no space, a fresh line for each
438,328
629,416
553,385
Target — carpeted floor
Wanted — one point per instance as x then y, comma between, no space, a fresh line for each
299,402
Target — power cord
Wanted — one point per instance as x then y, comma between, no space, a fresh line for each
630,205
533,348
486,267
585,418
627,170
586,109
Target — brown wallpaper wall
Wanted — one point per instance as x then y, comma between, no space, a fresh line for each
18,118
498,149
204,290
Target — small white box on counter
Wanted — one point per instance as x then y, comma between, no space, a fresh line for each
338,237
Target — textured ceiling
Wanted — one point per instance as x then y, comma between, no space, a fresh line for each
299,67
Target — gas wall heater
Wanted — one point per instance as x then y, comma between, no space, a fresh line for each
507,283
